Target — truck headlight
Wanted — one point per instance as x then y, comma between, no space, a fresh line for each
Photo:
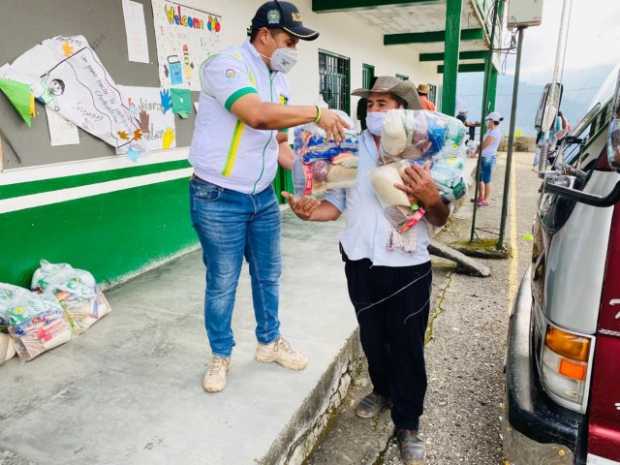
565,365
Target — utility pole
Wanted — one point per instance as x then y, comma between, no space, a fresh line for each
511,140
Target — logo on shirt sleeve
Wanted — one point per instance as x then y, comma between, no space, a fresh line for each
283,99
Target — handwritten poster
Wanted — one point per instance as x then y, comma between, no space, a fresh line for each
156,122
185,38
72,81
62,132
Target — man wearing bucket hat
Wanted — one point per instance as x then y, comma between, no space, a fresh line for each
238,140
488,152
389,285
423,91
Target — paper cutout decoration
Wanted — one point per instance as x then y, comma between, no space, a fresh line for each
181,102
166,100
168,139
79,88
156,128
133,154
185,38
20,96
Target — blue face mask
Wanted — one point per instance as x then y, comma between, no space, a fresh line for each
375,121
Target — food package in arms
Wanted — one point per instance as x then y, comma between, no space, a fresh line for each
321,163
76,290
418,137
35,322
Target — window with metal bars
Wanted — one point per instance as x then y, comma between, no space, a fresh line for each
335,80
368,74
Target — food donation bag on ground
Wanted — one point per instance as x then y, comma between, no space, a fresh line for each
76,290
323,164
36,322
424,138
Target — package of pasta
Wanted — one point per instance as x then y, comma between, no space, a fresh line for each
76,290
35,322
321,163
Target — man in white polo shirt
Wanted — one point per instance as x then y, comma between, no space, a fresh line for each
238,139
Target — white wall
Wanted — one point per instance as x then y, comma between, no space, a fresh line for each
341,33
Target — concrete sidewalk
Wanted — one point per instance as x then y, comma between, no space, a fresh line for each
128,392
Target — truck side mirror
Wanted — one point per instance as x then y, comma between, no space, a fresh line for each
548,106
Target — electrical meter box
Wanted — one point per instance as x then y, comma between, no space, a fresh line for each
523,13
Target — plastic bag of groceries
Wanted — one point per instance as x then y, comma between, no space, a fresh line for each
397,208
76,290
321,163
425,138
35,322
7,346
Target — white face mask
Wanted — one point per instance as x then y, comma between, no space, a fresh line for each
375,121
283,59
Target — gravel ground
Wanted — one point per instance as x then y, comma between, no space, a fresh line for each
465,352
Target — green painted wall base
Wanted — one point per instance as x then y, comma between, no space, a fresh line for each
111,235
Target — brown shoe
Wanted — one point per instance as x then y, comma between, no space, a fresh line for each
371,405
412,449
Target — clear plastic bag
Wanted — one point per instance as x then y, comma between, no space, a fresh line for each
418,137
398,210
76,290
321,163
7,348
36,322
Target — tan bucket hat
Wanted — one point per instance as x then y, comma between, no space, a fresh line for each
388,84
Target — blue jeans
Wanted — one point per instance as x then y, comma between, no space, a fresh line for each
232,225
486,169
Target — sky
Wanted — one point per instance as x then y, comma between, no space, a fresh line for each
594,38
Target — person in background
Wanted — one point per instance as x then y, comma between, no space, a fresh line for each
470,125
237,144
389,285
488,152
423,91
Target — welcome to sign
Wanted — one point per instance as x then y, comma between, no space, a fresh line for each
185,37
176,16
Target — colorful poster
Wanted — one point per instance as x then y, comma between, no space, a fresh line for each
157,126
185,38
66,75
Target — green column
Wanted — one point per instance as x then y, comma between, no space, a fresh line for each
492,92
451,62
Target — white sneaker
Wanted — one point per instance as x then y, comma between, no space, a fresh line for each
281,352
215,378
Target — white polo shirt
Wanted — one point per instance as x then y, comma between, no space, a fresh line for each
367,231
224,150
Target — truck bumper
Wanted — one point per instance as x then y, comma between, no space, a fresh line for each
536,431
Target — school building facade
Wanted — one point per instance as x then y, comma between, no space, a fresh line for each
116,218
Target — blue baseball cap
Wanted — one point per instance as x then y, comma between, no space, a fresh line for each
282,15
